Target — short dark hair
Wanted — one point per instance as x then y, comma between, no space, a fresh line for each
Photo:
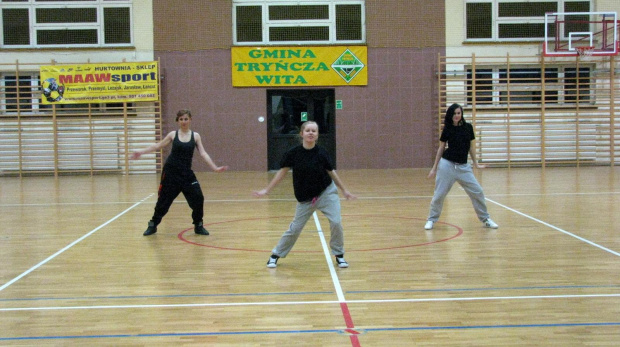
183,112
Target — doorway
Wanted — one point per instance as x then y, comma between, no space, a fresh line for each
287,109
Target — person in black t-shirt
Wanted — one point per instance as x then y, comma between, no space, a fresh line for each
314,184
451,166
177,175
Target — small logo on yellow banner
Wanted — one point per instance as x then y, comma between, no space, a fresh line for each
347,66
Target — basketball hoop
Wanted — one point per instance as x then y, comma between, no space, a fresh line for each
585,51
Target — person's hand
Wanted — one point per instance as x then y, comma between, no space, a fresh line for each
221,168
260,193
432,173
135,155
348,195
479,166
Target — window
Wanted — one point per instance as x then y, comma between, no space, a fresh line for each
498,87
527,86
577,85
281,22
54,23
479,20
483,84
18,91
510,20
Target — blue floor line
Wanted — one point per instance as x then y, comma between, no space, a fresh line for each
315,331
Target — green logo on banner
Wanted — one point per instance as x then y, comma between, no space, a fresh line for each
347,66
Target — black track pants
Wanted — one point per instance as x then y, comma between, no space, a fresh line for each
172,184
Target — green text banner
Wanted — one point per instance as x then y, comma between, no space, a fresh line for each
299,66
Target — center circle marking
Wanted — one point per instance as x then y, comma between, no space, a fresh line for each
459,232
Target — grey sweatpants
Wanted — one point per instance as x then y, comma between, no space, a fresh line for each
328,203
447,174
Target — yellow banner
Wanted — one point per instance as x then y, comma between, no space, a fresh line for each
100,83
299,66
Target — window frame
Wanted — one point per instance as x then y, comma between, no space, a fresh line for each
268,23
497,21
100,5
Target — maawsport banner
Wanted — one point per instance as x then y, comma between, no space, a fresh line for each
299,66
100,83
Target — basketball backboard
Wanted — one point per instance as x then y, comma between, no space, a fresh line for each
572,33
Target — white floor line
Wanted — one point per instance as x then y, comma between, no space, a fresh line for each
389,197
70,245
556,228
69,204
276,303
330,263
406,197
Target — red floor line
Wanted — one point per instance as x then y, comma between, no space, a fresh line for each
355,342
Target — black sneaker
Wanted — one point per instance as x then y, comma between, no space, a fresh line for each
341,262
151,229
200,230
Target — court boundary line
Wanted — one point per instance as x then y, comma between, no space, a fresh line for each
25,273
556,228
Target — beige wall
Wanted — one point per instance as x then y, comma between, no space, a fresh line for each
143,29
607,5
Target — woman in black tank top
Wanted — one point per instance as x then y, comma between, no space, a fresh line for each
177,175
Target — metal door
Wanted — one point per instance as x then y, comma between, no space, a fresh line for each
287,109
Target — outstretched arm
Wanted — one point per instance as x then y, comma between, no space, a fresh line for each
154,147
274,181
205,155
440,150
340,185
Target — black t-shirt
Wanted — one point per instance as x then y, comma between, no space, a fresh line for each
310,167
459,140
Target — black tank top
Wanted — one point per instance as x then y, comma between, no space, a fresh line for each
181,153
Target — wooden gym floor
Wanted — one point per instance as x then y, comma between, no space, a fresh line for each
77,271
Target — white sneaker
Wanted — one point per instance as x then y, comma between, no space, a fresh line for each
341,262
272,262
429,225
489,223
